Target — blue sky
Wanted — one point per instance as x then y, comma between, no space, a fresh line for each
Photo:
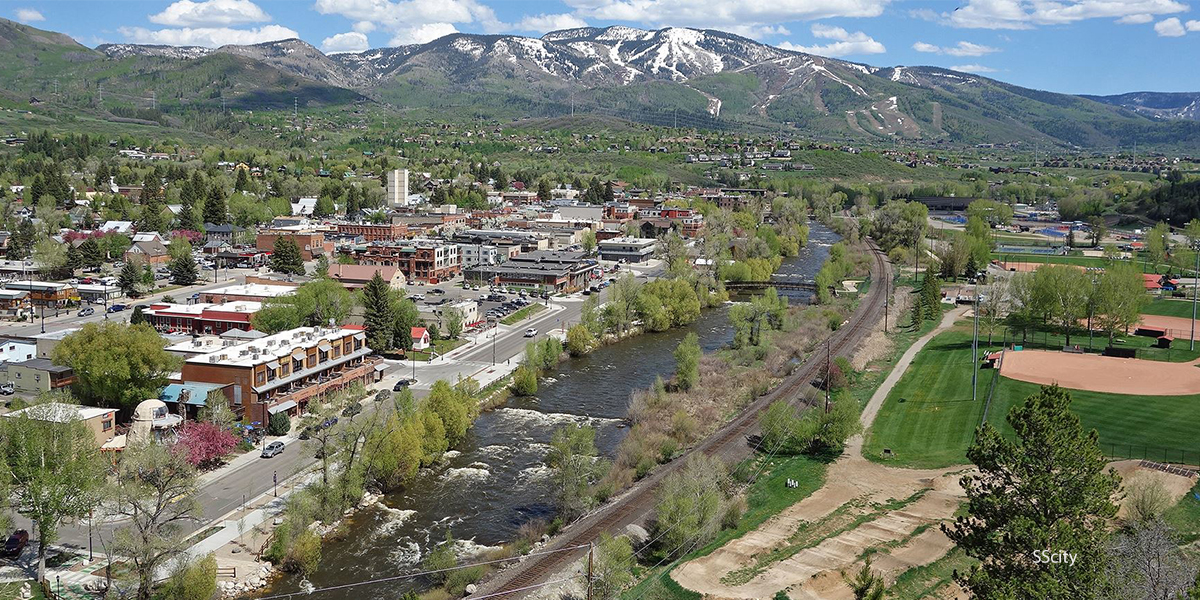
1076,46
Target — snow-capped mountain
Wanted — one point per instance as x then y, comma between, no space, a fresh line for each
120,51
1159,105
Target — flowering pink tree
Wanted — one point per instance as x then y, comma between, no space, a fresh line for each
190,235
204,444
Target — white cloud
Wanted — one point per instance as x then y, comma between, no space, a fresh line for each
1026,14
351,41
423,34
210,13
544,22
959,49
1138,19
757,31
728,16
413,21
29,15
207,36
845,43
1193,25
973,69
1170,28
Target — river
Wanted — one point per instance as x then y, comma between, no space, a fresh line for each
495,480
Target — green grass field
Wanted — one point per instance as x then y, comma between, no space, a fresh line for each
1170,308
522,314
929,419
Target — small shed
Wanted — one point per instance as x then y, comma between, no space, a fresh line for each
1164,341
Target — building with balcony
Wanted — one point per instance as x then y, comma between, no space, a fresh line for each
37,375
373,232
201,318
285,371
429,261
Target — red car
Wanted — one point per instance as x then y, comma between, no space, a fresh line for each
16,543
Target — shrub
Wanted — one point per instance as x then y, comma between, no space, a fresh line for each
305,554
457,581
524,381
279,424
440,559
204,444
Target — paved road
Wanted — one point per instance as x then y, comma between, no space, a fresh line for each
67,318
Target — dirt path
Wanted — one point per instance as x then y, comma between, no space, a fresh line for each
864,506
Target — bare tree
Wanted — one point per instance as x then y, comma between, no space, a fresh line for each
1147,563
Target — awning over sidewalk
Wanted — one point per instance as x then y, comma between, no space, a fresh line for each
282,406
381,367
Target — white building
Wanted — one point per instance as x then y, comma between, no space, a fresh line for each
627,249
397,188
474,255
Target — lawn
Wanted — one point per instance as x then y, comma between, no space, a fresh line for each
1053,339
1184,517
13,590
929,419
1170,308
522,314
438,347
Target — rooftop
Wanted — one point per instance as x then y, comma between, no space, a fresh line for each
260,290
247,354
58,412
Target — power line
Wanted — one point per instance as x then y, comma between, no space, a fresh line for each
431,572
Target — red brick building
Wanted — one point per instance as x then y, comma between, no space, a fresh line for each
374,232
418,260
201,318
312,243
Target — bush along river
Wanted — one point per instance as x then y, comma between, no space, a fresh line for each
495,481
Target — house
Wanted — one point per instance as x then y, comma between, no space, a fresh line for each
14,303
356,276
122,227
468,311
14,351
216,246
227,232
100,421
151,252
46,293
420,338
303,207
37,375
189,397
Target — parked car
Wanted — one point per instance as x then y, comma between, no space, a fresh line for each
7,388
86,311
403,383
352,410
330,422
87,280
16,543
272,449
530,332
116,308
437,291
306,433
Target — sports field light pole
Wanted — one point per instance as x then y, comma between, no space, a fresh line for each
975,348
1195,281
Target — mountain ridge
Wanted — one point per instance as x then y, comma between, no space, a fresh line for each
702,74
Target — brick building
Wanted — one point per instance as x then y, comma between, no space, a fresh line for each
285,371
429,261
311,243
373,232
201,318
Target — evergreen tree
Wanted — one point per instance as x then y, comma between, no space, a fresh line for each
352,203
102,177
378,315
35,192
1047,489
90,254
214,206
183,270
21,244
243,181
129,279
608,191
286,257
543,190
324,207
139,315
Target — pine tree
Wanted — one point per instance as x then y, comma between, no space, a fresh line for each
608,191
352,203
102,177
324,207
378,314
90,254
129,278
35,191
21,244
286,257
543,191
243,181
183,270
214,206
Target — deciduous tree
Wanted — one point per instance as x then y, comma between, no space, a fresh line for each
116,364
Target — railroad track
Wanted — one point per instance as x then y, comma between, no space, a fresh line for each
729,443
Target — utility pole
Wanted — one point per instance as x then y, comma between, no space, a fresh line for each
886,297
296,110
827,353
102,92
591,554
